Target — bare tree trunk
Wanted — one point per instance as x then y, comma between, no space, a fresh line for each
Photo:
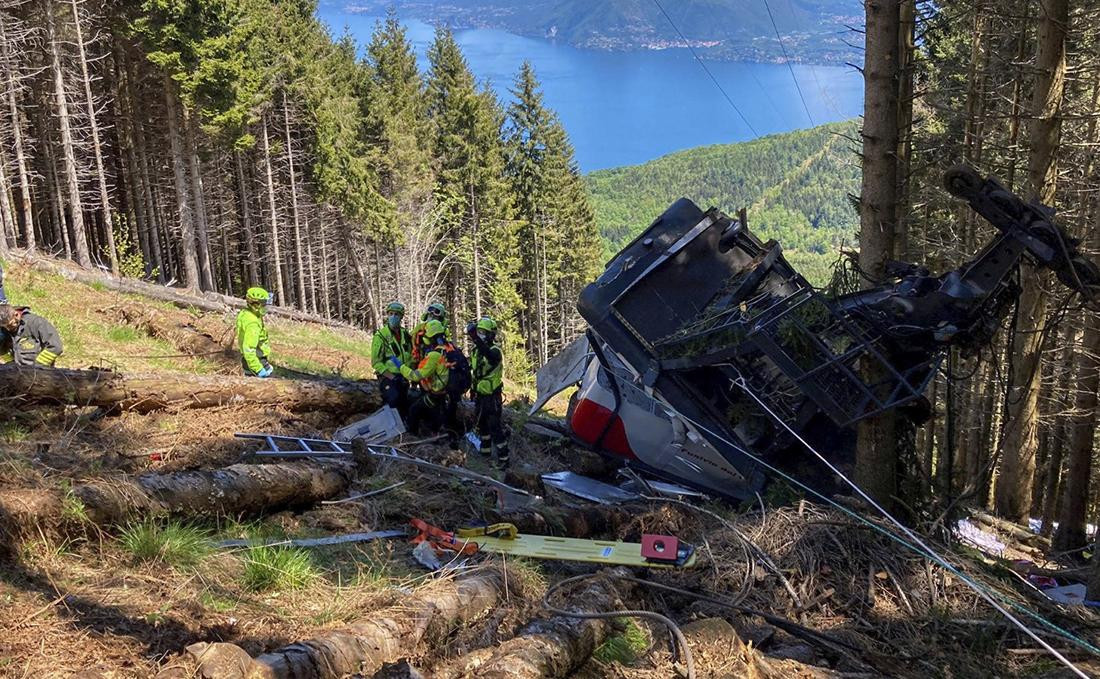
144,179
7,229
202,231
1013,493
876,452
1017,99
325,299
93,122
17,140
1053,489
1082,432
300,273
80,245
179,173
274,254
246,223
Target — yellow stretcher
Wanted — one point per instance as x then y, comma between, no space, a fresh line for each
655,551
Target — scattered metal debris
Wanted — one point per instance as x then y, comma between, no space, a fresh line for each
380,427
314,542
362,496
588,489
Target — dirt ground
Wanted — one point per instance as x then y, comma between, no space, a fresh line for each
89,602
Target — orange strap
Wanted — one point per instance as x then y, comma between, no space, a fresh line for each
440,539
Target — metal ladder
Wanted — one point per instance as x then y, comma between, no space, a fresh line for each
293,446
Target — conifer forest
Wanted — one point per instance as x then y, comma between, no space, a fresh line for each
219,145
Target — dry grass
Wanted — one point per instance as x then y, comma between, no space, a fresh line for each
85,317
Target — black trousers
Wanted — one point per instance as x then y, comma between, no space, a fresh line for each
490,424
426,414
395,393
454,428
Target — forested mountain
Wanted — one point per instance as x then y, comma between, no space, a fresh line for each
796,186
233,143
812,30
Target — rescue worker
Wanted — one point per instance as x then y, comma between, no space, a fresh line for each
427,411
390,349
27,339
252,334
435,312
487,362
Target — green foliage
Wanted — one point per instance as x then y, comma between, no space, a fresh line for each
72,507
625,646
796,187
558,242
172,543
13,432
208,49
131,263
123,333
277,568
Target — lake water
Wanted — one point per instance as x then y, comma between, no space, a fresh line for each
624,108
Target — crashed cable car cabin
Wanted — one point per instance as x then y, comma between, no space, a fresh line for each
706,344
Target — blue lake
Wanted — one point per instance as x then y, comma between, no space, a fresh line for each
624,108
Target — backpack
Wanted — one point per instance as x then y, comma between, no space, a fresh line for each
459,379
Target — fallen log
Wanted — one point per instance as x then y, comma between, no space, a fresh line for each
1014,530
146,393
235,490
240,489
550,647
181,297
361,647
185,337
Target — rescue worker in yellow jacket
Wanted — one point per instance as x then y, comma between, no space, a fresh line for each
252,334
27,339
421,345
487,363
427,412
390,349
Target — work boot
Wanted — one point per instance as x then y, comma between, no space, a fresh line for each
500,453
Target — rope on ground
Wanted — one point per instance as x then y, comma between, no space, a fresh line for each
922,549
683,650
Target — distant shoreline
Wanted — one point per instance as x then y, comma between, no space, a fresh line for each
763,51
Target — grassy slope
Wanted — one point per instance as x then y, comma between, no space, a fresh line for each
796,186
92,335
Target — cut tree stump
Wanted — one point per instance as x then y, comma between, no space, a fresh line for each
240,489
550,647
148,392
427,615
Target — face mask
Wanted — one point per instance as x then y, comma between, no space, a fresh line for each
483,336
394,321
259,309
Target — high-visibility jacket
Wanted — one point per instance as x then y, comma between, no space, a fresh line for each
432,373
386,345
34,342
421,345
252,340
488,368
